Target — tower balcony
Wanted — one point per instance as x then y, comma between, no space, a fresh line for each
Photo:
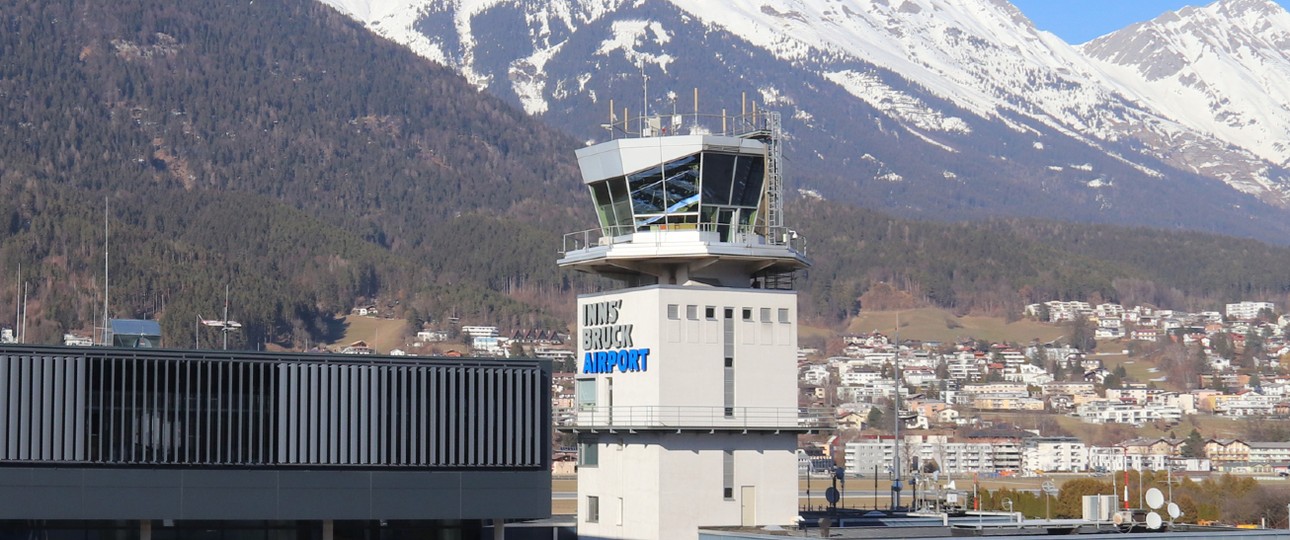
613,419
702,247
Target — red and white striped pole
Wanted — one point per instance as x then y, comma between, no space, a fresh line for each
1126,485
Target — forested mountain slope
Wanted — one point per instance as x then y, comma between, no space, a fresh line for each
310,161
281,149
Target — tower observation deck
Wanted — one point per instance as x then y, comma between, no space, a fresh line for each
687,410
699,208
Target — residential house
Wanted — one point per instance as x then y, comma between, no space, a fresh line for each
1054,454
1227,450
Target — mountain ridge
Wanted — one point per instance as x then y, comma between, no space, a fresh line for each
284,151
937,72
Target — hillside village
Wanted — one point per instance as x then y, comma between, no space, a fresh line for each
1231,367
953,393
961,402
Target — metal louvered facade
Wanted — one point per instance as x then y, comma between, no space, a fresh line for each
130,407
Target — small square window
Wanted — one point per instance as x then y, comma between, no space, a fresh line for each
692,312
748,314
588,454
710,313
673,312
783,315
765,314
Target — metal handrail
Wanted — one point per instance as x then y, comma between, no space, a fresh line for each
660,125
659,416
736,234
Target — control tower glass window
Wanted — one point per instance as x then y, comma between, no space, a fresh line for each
721,191
732,189
668,194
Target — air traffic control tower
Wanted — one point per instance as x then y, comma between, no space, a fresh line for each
686,410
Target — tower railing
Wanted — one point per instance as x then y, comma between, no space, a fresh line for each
694,417
757,124
722,233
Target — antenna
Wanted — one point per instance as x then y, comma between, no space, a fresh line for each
23,339
17,301
696,106
644,97
105,270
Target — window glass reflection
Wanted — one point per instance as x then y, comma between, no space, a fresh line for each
753,171
682,185
604,206
647,191
622,206
717,172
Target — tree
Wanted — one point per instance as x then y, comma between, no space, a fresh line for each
1254,348
1112,381
875,417
1216,383
1080,334
1070,498
1037,355
1221,343
1193,446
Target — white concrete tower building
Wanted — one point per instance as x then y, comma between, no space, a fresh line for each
687,397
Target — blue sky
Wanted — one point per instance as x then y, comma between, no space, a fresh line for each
1077,21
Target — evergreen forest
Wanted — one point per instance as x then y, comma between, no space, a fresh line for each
281,150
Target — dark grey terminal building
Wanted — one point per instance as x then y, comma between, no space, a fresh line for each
117,444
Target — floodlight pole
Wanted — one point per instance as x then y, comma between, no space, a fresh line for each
224,329
895,483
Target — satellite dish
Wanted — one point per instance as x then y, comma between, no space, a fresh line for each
832,495
1155,499
950,485
1153,521
1117,519
1174,511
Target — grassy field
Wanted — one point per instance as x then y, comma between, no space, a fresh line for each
932,324
383,334
1209,426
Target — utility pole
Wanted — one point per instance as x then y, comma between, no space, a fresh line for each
105,271
896,463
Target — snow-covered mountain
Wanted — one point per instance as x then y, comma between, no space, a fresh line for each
1223,70
930,107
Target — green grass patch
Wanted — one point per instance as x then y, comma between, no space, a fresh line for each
933,324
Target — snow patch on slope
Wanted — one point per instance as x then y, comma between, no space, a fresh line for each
870,88
629,34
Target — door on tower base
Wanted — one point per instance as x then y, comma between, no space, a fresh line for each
748,506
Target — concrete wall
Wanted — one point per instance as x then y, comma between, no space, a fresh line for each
184,494
670,482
